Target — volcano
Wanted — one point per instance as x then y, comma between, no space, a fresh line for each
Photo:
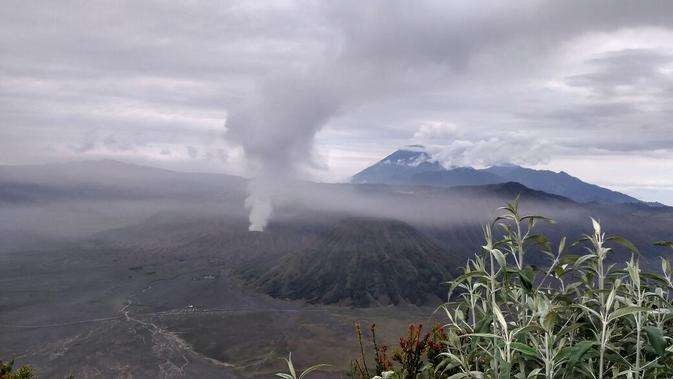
363,262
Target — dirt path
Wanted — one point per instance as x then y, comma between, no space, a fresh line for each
167,344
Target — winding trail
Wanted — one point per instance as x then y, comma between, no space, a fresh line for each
166,346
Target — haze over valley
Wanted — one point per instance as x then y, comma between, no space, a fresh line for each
104,254
431,189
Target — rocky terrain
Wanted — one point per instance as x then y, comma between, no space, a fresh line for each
364,262
137,279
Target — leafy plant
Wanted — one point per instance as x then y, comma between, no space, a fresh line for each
580,316
292,372
383,364
411,350
7,371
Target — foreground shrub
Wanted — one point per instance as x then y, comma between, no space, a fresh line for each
579,317
7,371
292,372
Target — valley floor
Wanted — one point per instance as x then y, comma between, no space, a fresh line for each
94,310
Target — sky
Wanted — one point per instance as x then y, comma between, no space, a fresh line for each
320,89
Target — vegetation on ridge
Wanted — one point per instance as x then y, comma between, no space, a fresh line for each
578,317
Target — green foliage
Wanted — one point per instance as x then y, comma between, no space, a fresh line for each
7,371
292,372
579,316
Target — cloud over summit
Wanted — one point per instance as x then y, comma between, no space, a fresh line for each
565,81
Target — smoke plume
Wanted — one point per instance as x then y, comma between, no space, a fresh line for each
377,51
259,204
276,128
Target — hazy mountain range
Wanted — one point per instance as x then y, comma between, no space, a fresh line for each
325,241
413,165
151,258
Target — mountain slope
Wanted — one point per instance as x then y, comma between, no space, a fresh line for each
107,179
459,176
510,190
399,167
560,183
363,262
414,166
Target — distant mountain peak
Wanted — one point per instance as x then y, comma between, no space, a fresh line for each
399,166
413,165
410,156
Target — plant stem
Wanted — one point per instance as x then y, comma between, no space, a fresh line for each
600,255
602,349
495,347
548,361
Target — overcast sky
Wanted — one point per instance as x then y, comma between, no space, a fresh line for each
324,89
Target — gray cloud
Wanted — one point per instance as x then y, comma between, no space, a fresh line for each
134,79
638,70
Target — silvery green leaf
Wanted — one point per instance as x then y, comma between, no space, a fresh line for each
499,316
666,266
525,349
596,225
562,245
534,373
626,243
621,312
611,299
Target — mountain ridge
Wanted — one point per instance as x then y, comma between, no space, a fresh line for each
556,183
398,167
106,179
